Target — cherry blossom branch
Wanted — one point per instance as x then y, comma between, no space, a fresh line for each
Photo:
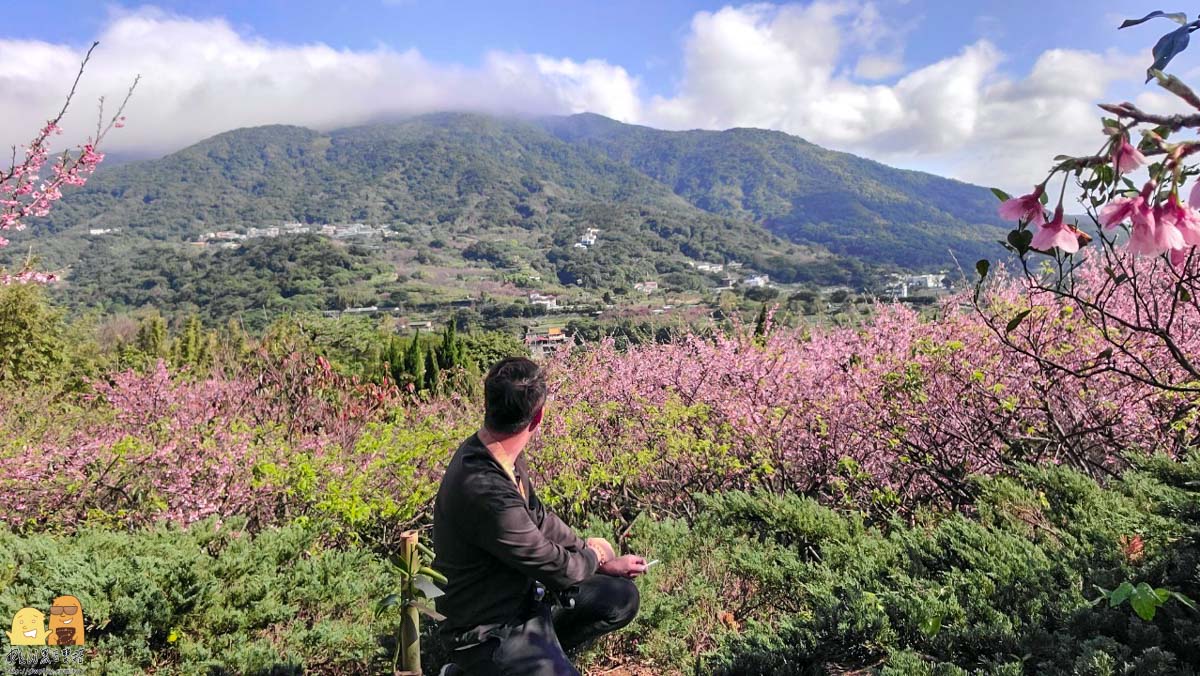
23,193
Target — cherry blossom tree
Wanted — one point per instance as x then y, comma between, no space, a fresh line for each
26,193
1130,271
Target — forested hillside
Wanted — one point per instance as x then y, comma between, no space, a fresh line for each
517,196
806,193
453,182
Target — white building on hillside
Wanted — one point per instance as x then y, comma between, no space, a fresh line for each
548,302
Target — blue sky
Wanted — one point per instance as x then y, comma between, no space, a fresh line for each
968,88
644,37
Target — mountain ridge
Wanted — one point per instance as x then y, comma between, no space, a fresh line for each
811,193
520,193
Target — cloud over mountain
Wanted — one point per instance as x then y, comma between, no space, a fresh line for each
831,72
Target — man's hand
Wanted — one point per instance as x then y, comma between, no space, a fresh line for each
629,565
604,551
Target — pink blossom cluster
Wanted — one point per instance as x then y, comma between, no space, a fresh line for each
901,411
1159,223
25,194
162,446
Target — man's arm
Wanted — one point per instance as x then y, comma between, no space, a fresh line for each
553,527
504,528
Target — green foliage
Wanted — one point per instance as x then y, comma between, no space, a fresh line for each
260,279
457,190
852,206
382,485
212,599
31,335
781,585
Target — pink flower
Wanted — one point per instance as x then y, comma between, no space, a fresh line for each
1154,235
1146,237
1057,234
1126,157
1182,217
1180,256
1127,208
1024,207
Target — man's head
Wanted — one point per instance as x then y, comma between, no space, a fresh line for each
514,393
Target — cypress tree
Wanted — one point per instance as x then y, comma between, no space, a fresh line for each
450,356
414,362
191,345
152,336
760,324
433,374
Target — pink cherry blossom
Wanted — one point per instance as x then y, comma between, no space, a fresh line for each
1136,209
1179,257
1026,207
1156,235
1057,234
1126,157
1183,217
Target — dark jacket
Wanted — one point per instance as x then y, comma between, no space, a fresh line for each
491,545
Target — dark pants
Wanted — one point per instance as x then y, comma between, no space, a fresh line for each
538,646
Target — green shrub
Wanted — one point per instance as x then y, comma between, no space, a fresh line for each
211,599
764,584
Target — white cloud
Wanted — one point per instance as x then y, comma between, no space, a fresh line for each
878,66
201,77
779,67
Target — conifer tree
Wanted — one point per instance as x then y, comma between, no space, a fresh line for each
414,362
190,347
450,354
152,336
760,324
433,374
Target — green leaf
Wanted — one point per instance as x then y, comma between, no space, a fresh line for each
433,574
1184,600
1118,595
427,588
389,601
1167,47
428,611
1178,17
982,266
1020,239
1016,321
1001,195
175,635
1144,601
930,626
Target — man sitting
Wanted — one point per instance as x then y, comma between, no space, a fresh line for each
506,557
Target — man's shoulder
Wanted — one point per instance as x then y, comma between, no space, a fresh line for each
471,472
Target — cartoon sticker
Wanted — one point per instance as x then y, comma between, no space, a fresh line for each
66,622
28,627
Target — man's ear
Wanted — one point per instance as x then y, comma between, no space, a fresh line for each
537,419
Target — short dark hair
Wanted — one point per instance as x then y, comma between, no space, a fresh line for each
513,392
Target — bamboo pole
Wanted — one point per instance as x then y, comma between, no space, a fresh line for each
410,622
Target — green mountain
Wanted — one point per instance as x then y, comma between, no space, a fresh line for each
461,196
467,178
808,194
